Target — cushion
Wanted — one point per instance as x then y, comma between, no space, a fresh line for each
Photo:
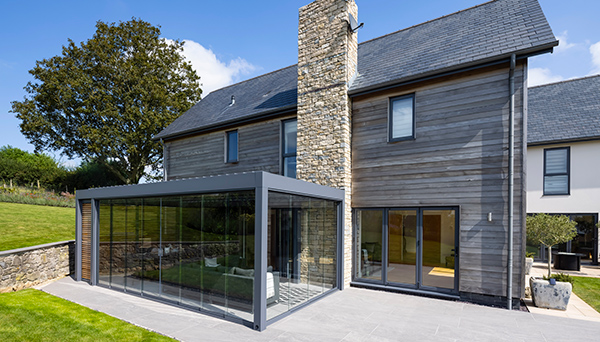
210,262
243,272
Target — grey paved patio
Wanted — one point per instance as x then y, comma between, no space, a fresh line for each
350,315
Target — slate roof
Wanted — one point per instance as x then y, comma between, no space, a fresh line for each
484,33
564,111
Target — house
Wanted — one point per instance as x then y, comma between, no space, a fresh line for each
563,157
393,164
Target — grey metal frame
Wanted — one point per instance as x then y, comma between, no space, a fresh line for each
417,287
413,136
261,182
568,173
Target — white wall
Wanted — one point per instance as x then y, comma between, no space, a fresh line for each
585,180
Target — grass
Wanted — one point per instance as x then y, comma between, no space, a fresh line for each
588,289
33,315
24,225
36,196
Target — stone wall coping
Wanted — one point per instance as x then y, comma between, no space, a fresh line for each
31,248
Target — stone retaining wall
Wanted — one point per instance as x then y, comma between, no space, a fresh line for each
26,267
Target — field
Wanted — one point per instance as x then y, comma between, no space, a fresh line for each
24,225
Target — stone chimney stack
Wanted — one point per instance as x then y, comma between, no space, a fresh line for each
327,58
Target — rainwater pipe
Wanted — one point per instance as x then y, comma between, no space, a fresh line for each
164,160
511,176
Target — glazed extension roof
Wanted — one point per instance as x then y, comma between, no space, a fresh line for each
564,111
485,33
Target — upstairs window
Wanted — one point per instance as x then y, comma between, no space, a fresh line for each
288,148
231,147
556,171
401,119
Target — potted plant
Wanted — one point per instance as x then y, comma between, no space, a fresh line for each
550,230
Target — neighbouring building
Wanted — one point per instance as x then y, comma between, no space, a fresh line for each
406,152
563,158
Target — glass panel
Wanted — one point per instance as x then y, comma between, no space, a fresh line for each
585,240
150,274
556,184
369,238
289,167
104,232
119,244
170,247
402,246
290,130
556,161
302,244
191,252
402,117
438,248
232,146
134,254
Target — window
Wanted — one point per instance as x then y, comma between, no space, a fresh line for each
231,147
401,119
556,171
288,148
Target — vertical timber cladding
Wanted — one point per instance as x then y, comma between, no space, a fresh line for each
327,57
459,158
86,240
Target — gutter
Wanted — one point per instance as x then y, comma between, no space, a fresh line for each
511,177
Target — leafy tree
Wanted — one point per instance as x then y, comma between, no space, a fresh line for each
550,230
105,99
25,168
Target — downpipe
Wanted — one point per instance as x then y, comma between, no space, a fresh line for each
511,177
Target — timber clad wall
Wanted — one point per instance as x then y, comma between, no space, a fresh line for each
86,240
204,155
459,158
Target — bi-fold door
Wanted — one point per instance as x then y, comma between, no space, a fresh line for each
408,247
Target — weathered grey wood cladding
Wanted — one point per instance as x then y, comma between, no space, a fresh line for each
204,155
459,158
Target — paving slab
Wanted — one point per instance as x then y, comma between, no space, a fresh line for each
350,315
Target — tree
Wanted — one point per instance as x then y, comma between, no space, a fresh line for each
550,230
26,168
105,99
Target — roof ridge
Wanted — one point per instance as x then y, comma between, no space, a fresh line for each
429,21
565,81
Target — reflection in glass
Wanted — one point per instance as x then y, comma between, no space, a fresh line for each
302,245
438,248
369,240
402,246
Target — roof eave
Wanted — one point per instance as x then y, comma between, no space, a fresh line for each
498,59
563,141
226,124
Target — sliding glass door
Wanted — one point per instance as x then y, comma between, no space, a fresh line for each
412,247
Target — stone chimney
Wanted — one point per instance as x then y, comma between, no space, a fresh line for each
327,57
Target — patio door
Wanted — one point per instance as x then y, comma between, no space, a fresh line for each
418,247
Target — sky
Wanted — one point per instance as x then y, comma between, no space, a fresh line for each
230,41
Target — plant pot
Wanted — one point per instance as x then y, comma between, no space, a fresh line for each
528,265
550,296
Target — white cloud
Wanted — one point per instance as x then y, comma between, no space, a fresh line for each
538,76
563,44
595,51
214,73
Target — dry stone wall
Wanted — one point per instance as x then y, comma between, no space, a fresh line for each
27,267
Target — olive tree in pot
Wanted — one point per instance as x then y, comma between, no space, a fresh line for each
550,230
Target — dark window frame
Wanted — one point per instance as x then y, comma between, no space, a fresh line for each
567,173
228,158
285,155
391,100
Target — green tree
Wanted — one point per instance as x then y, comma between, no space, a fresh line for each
550,230
26,168
105,99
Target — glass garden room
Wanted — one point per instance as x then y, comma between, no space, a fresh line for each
249,247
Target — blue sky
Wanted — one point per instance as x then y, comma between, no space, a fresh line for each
229,41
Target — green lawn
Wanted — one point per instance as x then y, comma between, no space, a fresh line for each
588,289
24,225
33,315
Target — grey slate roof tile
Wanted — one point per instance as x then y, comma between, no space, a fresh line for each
564,111
489,31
